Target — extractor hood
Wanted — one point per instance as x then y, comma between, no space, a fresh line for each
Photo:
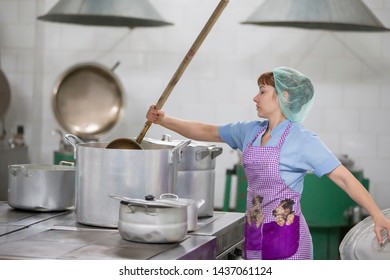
129,13
334,15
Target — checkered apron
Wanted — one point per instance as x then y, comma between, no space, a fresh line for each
275,228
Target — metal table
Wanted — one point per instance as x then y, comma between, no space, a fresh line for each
57,235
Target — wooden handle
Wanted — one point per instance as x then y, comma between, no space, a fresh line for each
186,60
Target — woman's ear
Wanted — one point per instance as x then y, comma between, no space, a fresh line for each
285,96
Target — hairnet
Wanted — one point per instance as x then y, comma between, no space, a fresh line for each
295,93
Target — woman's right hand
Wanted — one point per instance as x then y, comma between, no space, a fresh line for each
155,115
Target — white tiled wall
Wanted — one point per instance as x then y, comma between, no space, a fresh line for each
351,73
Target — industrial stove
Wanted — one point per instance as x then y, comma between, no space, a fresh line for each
57,235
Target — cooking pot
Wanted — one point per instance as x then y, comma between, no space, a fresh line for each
195,172
151,220
41,187
101,171
196,156
192,209
360,243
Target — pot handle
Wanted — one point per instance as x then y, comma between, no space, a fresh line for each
178,149
165,195
73,140
199,203
14,168
148,211
66,163
213,151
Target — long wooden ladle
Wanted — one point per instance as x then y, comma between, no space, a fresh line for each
127,143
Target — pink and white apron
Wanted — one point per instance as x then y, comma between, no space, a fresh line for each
275,228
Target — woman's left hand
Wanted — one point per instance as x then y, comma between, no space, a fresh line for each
381,224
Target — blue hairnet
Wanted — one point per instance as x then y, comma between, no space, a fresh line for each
295,93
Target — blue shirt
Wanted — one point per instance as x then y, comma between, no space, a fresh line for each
303,151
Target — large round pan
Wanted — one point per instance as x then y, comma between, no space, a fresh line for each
87,100
5,94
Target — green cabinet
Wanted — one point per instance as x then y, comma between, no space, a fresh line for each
62,156
242,184
328,212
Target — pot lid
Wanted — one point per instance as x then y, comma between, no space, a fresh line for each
360,242
187,201
334,15
150,201
5,94
166,140
88,100
128,13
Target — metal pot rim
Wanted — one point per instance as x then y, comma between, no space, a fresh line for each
42,167
174,143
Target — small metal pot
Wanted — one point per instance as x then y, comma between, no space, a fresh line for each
41,187
192,208
152,221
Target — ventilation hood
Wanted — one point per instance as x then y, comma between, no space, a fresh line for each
334,15
129,13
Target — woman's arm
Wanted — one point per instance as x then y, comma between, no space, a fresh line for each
190,129
346,181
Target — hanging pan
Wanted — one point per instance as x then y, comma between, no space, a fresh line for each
5,99
87,100
5,94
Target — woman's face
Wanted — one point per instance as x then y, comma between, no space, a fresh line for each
267,102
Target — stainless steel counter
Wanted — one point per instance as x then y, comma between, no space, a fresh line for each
57,235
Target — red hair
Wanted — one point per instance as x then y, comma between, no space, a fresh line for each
267,78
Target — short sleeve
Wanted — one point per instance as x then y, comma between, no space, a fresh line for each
238,134
317,156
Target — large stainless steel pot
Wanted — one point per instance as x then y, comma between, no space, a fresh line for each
41,187
151,220
195,172
196,156
101,172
